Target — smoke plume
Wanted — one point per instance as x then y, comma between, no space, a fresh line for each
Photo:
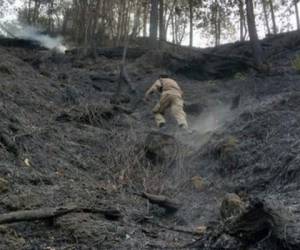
46,41
16,30
210,121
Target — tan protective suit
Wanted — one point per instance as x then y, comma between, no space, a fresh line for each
171,97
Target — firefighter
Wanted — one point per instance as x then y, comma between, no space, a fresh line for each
170,98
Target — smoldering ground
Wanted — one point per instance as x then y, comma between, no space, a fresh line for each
203,126
81,152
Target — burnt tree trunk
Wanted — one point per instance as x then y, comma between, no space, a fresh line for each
50,213
242,20
170,18
273,17
137,21
217,23
162,32
29,11
145,18
154,21
266,16
191,22
297,13
257,50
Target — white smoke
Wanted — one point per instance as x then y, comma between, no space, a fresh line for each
207,123
33,33
46,41
212,119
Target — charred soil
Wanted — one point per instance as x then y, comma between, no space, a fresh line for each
95,173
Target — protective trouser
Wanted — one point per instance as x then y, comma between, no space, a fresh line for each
175,103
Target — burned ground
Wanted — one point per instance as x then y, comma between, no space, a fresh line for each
65,141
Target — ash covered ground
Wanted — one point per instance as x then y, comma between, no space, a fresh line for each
65,140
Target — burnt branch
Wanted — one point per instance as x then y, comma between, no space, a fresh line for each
50,213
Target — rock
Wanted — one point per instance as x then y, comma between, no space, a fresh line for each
201,230
160,148
231,206
266,219
3,185
198,182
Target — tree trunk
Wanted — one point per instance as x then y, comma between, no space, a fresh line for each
50,213
50,19
217,23
297,14
266,16
173,28
170,18
191,22
154,21
242,20
65,22
29,11
87,30
36,11
162,32
137,20
257,50
126,20
120,22
273,17
94,27
219,26
145,18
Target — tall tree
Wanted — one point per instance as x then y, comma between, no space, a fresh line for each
191,12
145,16
243,28
162,32
154,20
264,4
216,16
257,50
297,13
273,16
136,19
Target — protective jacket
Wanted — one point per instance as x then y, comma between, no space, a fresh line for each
171,98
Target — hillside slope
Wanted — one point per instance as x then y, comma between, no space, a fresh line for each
65,142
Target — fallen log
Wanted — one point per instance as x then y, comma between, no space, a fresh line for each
169,205
50,213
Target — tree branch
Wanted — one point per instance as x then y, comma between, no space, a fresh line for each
48,213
